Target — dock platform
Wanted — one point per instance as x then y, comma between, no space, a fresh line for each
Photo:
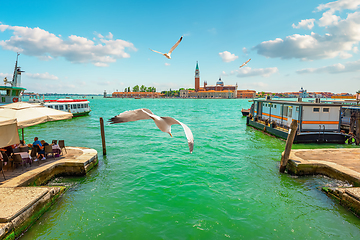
22,198
342,164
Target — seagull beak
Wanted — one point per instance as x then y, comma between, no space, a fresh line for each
170,135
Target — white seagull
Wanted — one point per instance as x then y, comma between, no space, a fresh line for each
163,123
245,63
172,49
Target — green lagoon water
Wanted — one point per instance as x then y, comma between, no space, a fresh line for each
150,187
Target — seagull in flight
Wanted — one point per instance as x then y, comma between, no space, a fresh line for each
163,123
245,63
172,49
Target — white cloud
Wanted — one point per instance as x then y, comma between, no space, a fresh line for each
227,56
355,49
110,35
328,19
340,5
249,72
340,39
305,24
7,75
244,50
44,45
45,76
333,69
167,64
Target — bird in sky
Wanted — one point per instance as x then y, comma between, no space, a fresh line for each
172,49
245,63
163,123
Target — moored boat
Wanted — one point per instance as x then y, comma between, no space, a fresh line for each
245,112
12,93
78,107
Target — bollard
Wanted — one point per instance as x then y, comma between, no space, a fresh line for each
102,135
289,142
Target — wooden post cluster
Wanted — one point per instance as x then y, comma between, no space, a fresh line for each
102,135
289,142
357,139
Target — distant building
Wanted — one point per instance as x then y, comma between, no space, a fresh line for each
136,95
246,94
209,91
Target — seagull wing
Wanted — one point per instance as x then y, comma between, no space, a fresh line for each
130,116
242,65
188,133
245,63
156,51
176,44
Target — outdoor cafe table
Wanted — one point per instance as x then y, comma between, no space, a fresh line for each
25,156
56,149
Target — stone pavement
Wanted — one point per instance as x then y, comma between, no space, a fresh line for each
342,164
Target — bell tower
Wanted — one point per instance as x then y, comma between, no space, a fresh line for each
197,78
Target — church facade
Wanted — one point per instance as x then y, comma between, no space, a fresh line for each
209,91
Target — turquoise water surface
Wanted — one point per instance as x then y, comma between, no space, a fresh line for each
150,187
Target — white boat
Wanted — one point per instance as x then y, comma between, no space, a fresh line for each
78,107
12,93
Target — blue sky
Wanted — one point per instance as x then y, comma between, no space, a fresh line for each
92,46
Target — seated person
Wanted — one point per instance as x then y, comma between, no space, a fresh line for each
22,143
9,150
44,143
40,147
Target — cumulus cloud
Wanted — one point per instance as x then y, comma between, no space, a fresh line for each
341,36
45,76
305,24
333,69
44,45
249,72
110,35
227,56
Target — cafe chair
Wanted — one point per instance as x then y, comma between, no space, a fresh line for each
6,160
33,154
1,168
16,150
24,149
49,150
54,142
17,159
62,146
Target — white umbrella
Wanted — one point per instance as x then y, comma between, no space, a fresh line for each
30,114
8,132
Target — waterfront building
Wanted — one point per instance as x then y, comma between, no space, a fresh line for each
220,90
136,95
246,94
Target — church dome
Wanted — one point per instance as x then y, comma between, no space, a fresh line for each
220,82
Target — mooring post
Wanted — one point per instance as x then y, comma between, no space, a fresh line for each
357,139
289,142
102,135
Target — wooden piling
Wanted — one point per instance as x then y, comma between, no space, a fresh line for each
289,142
102,135
357,139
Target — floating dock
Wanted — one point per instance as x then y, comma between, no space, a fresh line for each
342,164
22,198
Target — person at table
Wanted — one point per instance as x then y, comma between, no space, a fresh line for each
41,150
44,143
22,143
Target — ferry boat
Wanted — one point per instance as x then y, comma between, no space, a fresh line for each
78,107
12,93
317,122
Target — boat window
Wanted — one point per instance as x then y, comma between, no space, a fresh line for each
61,107
3,92
74,106
326,109
274,106
57,107
290,112
66,107
78,106
82,105
297,109
316,109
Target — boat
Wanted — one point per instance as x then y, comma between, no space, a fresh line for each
78,107
317,122
245,112
12,93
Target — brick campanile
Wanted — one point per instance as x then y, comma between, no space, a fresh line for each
197,78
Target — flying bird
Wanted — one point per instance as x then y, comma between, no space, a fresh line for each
163,123
245,63
172,49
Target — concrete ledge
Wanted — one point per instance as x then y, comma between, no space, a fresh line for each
21,205
342,164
